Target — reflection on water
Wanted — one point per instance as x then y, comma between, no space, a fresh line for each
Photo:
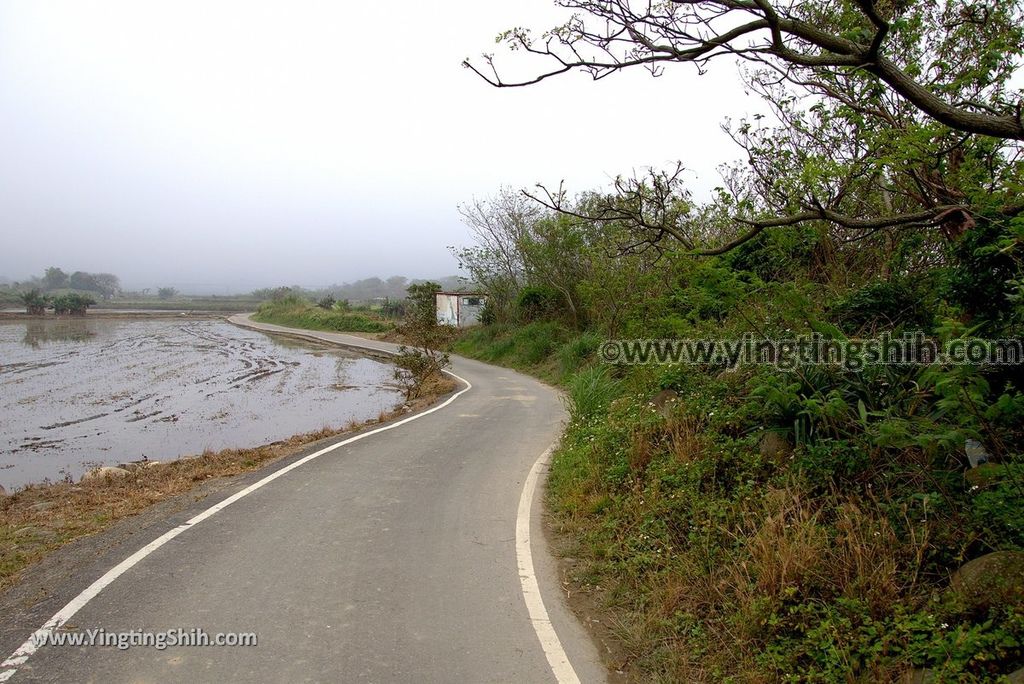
57,330
75,393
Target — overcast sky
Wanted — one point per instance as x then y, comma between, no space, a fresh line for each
223,146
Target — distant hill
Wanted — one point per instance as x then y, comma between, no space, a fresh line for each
391,288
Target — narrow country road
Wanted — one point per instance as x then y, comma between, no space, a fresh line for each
392,558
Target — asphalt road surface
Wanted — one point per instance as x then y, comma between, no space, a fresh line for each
393,558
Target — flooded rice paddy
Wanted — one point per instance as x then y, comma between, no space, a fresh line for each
84,392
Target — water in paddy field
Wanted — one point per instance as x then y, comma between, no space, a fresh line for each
76,393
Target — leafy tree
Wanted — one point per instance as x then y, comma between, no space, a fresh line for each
497,263
107,284
423,303
424,355
893,115
80,280
54,279
166,292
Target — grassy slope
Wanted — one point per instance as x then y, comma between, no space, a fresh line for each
719,560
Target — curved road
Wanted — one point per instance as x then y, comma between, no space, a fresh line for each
392,558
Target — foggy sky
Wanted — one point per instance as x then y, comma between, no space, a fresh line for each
223,146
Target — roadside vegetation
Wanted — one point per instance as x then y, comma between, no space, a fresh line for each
818,523
422,358
330,315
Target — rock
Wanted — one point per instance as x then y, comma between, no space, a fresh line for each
985,475
104,472
1016,677
136,465
664,401
992,579
916,676
774,447
976,454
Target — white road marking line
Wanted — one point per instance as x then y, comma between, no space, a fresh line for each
9,667
557,658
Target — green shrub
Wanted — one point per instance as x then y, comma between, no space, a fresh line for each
777,254
577,351
35,302
536,341
71,304
883,305
488,315
538,301
590,393
295,312
986,270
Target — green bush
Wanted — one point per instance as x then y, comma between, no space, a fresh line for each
536,341
578,351
776,255
72,304
590,392
887,305
298,313
538,301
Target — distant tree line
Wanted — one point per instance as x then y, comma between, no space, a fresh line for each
105,285
366,290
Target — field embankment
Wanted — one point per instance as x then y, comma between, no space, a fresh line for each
298,313
208,304
38,519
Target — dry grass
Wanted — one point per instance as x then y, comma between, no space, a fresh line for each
784,550
434,386
38,519
684,437
785,544
679,434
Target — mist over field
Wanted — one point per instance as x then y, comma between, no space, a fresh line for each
223,147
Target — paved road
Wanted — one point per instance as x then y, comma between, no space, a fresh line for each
390,559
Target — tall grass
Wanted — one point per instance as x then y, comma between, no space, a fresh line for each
590,392
575,353
529,348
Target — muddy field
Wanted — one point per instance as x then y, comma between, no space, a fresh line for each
84,392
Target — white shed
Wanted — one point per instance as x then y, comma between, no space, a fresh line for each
459,309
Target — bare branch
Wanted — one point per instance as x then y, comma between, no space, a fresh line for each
757,30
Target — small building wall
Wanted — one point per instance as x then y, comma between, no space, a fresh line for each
459,309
